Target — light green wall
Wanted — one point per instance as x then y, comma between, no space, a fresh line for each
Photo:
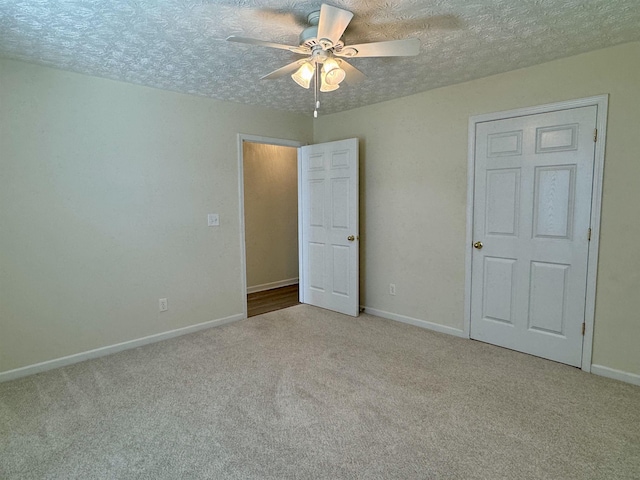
413,191
270,212
105,188
104,192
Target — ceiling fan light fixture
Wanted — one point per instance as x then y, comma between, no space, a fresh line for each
324,86
304,74
334,74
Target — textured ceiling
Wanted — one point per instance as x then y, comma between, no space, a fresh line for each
179,44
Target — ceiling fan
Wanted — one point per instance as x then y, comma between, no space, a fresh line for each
326,52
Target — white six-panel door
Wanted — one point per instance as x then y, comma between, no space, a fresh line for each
532,205
329,267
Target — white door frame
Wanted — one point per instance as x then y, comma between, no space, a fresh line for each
601,102
243,249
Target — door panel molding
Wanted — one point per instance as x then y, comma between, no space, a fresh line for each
601,102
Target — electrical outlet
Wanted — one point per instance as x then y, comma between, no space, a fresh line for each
392,289
163,305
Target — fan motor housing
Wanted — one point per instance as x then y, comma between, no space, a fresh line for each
309,38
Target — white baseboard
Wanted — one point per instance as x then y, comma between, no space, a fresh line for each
108,350
616,374
415,321
272,285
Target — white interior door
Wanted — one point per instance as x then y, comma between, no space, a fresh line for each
328,199
532,205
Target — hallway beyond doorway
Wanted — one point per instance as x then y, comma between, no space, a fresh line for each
271,300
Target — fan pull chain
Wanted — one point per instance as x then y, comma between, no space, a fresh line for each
315,93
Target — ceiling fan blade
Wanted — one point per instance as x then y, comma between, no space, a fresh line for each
393,48
262,43
353,74
333,22
281,72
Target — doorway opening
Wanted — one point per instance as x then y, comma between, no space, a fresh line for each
269,193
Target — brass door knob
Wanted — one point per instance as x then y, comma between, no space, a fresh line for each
351,238
478,245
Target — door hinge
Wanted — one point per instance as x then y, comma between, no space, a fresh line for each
584,326
595,134
589,235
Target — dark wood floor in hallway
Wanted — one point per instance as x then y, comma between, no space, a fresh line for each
270,300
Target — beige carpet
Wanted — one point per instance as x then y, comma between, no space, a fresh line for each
304,393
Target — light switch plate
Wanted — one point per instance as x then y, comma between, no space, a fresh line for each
213,219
